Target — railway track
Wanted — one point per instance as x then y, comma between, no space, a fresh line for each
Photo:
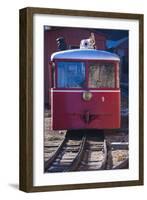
88,151
67,154
95,156
78,153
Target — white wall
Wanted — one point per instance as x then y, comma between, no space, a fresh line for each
9,58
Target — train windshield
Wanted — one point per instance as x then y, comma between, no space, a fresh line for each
101,75
71,74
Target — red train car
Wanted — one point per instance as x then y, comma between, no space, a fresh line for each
85,91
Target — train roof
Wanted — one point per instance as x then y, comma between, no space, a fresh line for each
85,54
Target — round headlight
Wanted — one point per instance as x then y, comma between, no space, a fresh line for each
87,96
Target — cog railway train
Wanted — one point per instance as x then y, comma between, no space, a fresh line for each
85,92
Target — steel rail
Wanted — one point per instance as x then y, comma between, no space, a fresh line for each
77,159
53,157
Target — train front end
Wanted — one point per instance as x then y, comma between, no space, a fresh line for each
85,91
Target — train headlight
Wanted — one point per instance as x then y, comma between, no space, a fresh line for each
87,96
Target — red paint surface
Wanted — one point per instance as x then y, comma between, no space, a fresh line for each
69,109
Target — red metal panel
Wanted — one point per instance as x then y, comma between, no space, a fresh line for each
70,111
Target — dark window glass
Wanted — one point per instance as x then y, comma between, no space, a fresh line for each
101,75
71,75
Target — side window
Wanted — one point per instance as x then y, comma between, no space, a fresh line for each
101,75
70,74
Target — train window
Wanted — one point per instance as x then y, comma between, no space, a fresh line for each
71,75
101,75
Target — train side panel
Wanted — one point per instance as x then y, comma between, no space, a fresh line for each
71,111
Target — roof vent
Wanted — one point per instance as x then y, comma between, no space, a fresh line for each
88,43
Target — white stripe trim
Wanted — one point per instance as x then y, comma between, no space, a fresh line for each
84,90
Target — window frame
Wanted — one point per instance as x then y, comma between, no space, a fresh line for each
56,74
74,62
87,69
116,74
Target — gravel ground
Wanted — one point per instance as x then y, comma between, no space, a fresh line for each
118,156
